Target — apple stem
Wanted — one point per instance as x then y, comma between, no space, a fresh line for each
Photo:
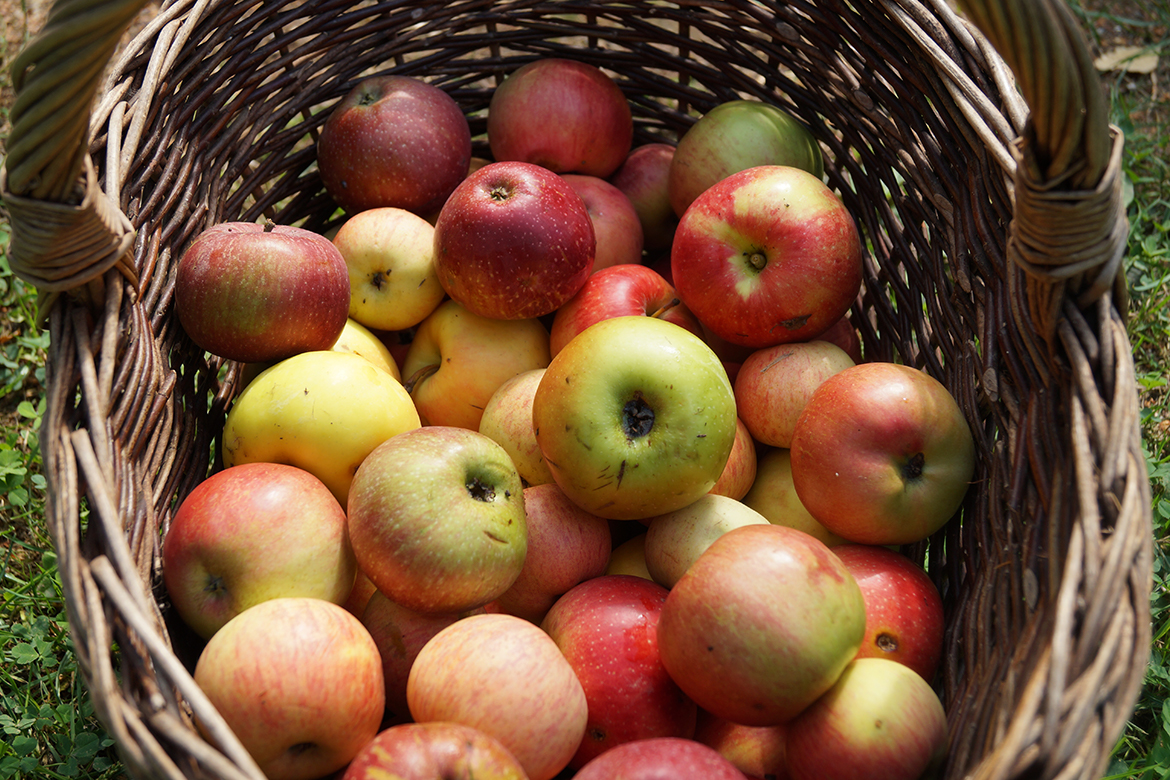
419,376
758,260
664,309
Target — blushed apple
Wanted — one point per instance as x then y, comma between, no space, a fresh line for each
616,226
740,472
507,420
661,758
434,751
644,177
757,751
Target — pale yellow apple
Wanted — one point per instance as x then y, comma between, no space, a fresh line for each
629,557
389,253
322,411
358,339
458,360
773,496
676,539
507,420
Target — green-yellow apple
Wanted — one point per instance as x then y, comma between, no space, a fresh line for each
675,540
740,472
299,681
769,255
394,141
644,178
250,533
761,625
389,254
434,751
629,557
256,293
774,383
882,454
358,339
880,721
733,136
616,226
507,420
635,417
459,359
773,495
437,520
323,411
506,677
566,546
565,115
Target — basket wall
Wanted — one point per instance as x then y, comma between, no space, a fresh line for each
212,113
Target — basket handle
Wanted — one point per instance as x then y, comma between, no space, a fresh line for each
66,232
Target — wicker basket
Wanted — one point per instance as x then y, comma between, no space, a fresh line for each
986,186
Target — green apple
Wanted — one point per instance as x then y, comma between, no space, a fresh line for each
322,411
437,520
635,417
389,253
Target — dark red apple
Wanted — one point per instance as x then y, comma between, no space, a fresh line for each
619,291
615,223
565,115
607,629
434,751
261,293
644,178
514,241
662,758
394,141
903,609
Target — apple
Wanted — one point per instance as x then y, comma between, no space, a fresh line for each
257,293
436,519
767,256
250,533
761,624
757,751
732,137
361,593
844,335
434,751
773,495
676,539
400,634
644,177
880,720
904,618
619,291
534,705
458,359
606,628
389,254
299,682
660,758
635,417
882,454
566,546
322,411
514,241
616,226
774,384
359,340
565,115
740,472
394,141
507,420
629,557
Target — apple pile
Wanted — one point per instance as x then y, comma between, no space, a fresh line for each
564,460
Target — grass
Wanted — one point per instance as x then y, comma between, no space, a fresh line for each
45,716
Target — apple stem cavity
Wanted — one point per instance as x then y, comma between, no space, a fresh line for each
480,490
913,468
637,417
886,643
500,192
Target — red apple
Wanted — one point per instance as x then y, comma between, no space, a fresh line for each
506,677
882,454
774,384
434,751
618,291
261,293
394,141
757,751
254,532
903,609
299,681
761,624
661,758
767,256
565,115
566,546
514,241
615,223
644,178
880,721
606,628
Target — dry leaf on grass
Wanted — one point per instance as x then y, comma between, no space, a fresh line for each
1134,59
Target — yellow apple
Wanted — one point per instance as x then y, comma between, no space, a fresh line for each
774,496
358,339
